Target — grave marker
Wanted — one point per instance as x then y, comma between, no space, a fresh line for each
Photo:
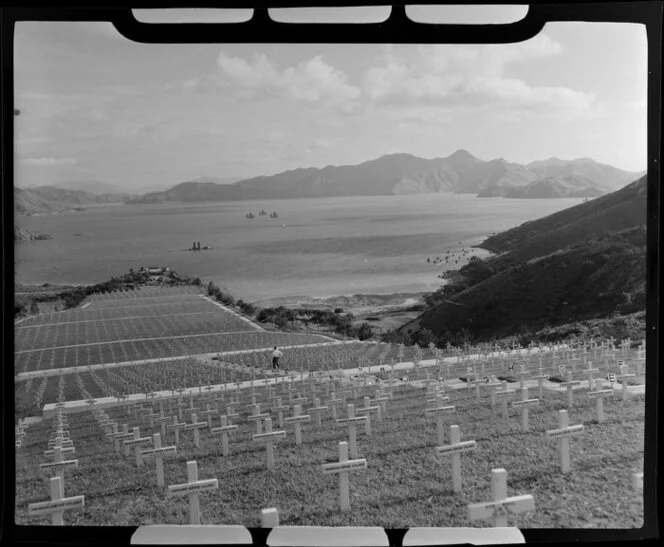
569,384
176,427
317,409
279,407
599,395
224,430
268,438
564,432
501,506
524,403
351,422
540,380
158,452
58,503
269,517
343,467
439,412
368,409
193,487
454,449
137,441
59,465
637,481
298,419
623,377
503,394
590,372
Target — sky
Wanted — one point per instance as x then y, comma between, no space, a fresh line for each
95,106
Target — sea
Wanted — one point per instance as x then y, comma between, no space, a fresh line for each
316,247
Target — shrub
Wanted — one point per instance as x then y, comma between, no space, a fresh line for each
364,331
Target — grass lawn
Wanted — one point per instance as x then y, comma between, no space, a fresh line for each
405,484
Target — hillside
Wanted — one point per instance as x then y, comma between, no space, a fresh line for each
51,199
585,262
23,234
396,174
613,212
602,175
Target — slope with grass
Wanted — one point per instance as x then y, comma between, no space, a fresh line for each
586,262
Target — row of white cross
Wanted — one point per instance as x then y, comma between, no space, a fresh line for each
343,467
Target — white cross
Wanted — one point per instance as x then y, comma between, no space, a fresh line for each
268,438
564,432
344,467
158,453
317,409
599,395
440,411
193,487
297,419
176,427
503,394
136,442
454,449
58,503
501,506
524,403
224,430
569,384
351,422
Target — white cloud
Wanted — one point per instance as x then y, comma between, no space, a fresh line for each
313,81
473,77
49,162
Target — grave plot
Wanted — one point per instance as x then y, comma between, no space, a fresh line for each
406,482
112,382
169,346
320,358
107,330
193,305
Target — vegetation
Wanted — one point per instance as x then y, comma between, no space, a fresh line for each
70,297
552,276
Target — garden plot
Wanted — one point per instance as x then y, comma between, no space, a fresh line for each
405,483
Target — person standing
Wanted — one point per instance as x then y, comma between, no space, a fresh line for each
276,355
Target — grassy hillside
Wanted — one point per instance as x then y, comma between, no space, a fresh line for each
586,262
50,199
613,212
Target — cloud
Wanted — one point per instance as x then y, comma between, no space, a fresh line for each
313,81
473,77
49,162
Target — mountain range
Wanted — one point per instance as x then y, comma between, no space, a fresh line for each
51,199
582,263
395,174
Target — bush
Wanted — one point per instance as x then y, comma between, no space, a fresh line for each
364,331
246,307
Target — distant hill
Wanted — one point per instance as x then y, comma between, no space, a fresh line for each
90,186
585,262
600,175
23,234
553,187
50,199
396,174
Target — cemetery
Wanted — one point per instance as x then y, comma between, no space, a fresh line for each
351,434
